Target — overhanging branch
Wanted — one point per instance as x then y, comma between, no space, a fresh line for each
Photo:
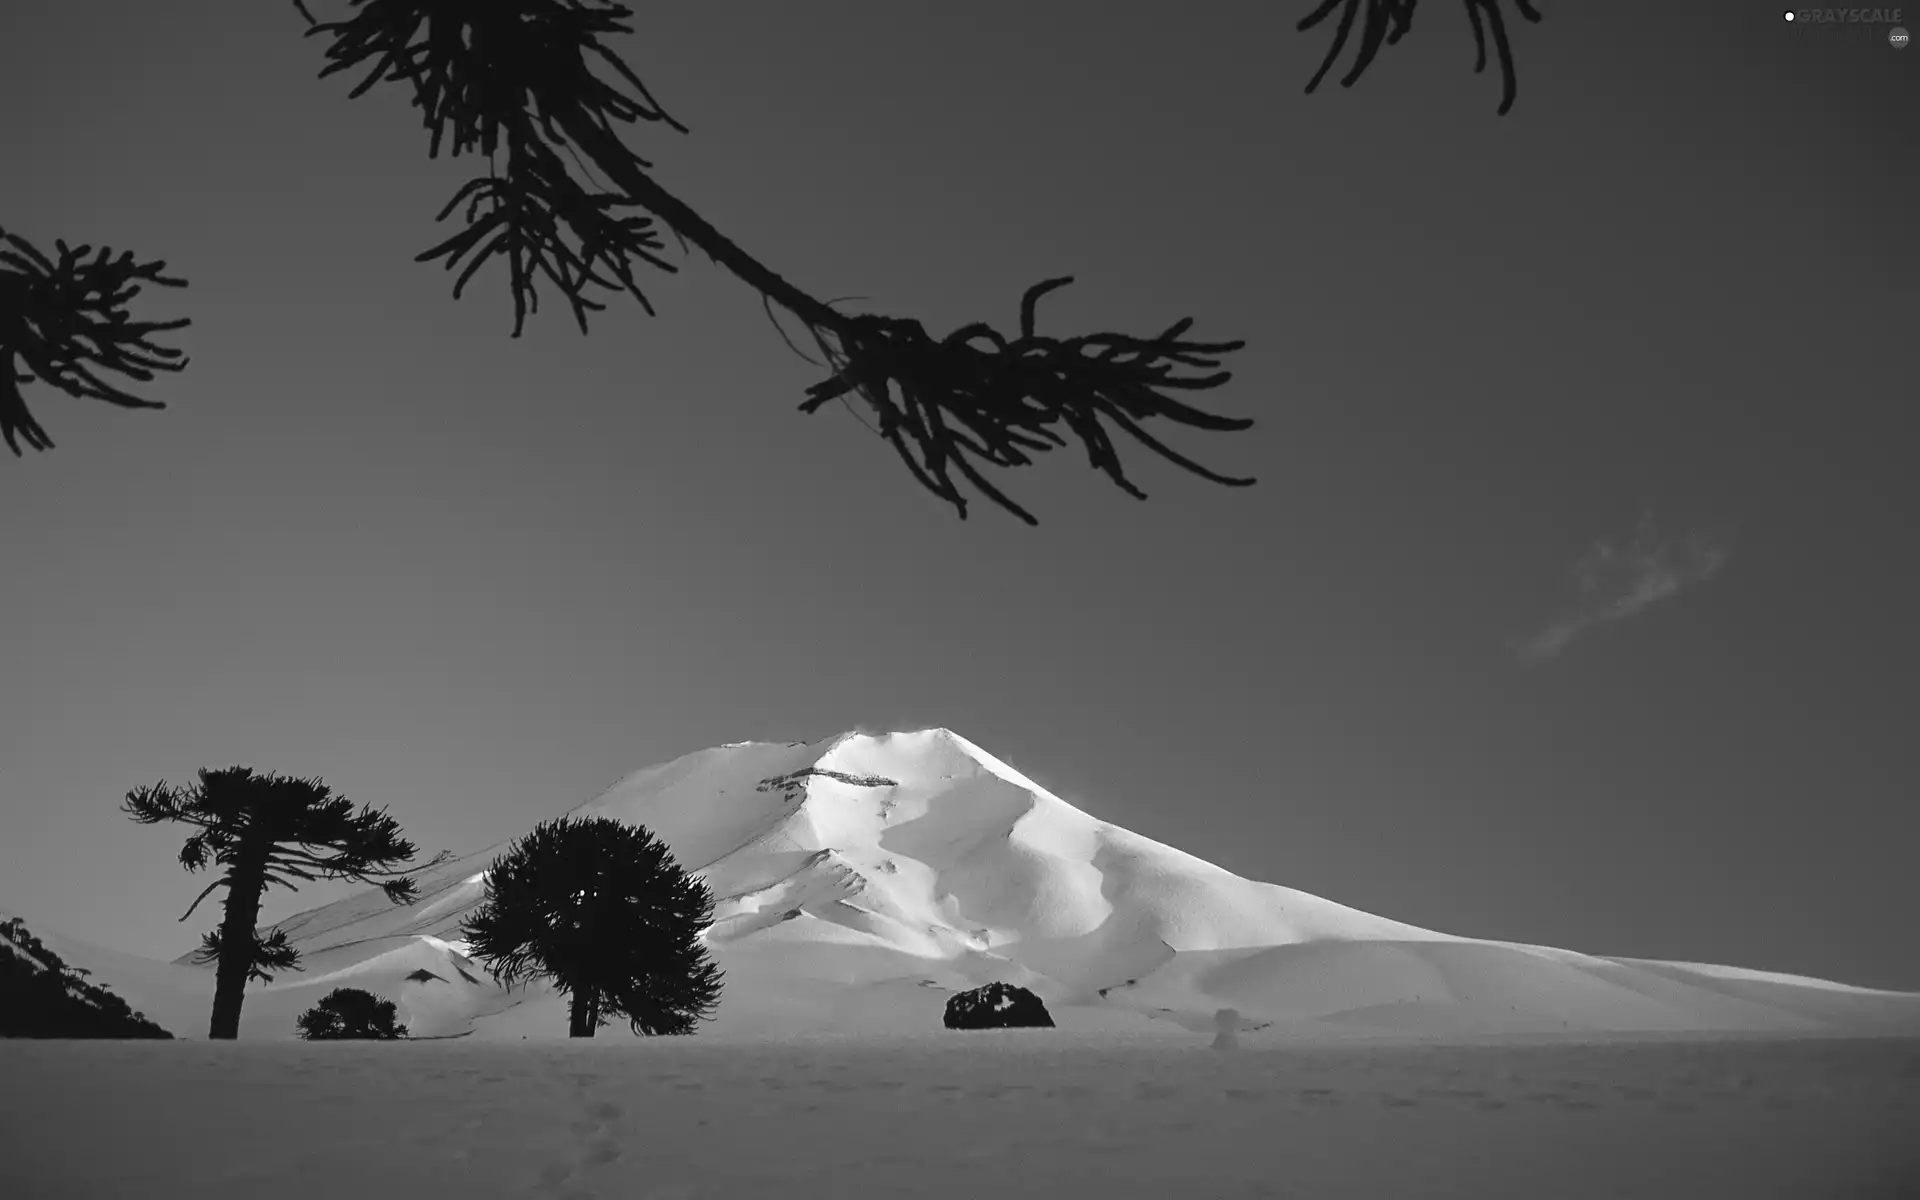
513,76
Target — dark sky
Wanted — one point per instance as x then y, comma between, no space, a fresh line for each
1575,604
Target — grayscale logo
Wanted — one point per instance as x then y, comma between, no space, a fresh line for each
1897,38
1845,16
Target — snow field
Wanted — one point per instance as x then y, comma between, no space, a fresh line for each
998,1113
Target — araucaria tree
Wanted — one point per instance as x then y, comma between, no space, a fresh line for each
601,910
267,830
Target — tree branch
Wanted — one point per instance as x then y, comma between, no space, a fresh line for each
202,896
61,319
615,161
515,74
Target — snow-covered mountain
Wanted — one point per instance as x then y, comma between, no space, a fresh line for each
862,879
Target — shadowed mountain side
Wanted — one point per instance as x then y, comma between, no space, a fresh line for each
42,995
860,880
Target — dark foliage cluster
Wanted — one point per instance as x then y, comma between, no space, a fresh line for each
350,1014
978,394
293,821
263,953
42,997
1387,21
602,910
495,78
65,318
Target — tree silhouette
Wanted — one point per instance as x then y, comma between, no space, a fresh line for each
266,829
601,910
518,77
350,1014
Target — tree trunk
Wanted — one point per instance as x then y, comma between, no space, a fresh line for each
236,959
585,1015
246,881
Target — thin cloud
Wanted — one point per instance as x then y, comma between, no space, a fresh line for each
1615,580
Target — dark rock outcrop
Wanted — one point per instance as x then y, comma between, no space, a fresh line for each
42,997
997,1006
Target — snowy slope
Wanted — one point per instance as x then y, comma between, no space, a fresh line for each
862,879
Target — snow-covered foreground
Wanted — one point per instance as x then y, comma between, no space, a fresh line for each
988,1114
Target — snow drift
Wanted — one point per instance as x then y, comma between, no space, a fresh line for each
861,880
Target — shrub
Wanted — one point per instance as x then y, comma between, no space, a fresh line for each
347,1014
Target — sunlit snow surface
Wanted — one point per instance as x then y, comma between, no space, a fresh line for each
1040,1113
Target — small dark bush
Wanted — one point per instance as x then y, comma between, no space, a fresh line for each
347,1014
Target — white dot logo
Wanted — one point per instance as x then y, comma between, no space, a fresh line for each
1789,16
1897,38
